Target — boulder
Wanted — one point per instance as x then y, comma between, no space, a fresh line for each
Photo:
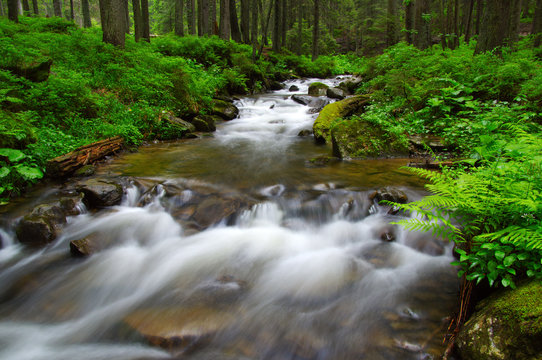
172,127
336,93
293,88
506,325
389,193
99,193
351,85
334,111
85,171
302,99
318,89
225,110
83,247
35,72
205,123
305,132
212,210
317,103
275,85
360,138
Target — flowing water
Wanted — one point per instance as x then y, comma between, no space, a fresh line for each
295,269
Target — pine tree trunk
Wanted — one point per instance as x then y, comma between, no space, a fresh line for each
316,30
145,23
234,22
284,22
2,12
35,9
126,15
213,27
479,10
13,10
276,24
57,8
225,19
72,13
422,37
138,26
191,9
513,30
200,17
205,18
113,21
495,25
26,8
254,30
299,47
179,25
456,24
537,24
409,21
391,23
85,9
245,20
468,28
442,25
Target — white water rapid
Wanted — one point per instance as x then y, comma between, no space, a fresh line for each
296,272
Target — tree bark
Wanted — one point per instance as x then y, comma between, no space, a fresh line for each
537,24
316,30
276,24
409,22
126,15
513,30
234,22
479,9
299,47
138,20
200,17
468,27
225,19
191,9
213,27
422,38
284,22
391,23
245,20
72,12
254,30
57,8
179,25
496,25
35,9
26,8
205,19
85,9
113,21
13,10
145,23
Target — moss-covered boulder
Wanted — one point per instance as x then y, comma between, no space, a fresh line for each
225,110
318,89
507,325
171,128
206,123
334,111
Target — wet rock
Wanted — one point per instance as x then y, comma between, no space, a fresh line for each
223,290
305,132
318,89
435,143
36,230
83,247
100,192
321,161
302,99
225,110
293,88
336,93
36,72
315,103
334,111
212,210
275,85
179,329
507,325
172,128
389,193
205,123
85,171
351,85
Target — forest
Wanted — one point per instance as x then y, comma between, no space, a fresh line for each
465,72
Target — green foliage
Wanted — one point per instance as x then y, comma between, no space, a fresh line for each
16,170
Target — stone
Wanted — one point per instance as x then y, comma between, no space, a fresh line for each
36,230
98,193
225,110
173,128
334,111
318,89
351,85
83,247
302,99
275,85
336,93
435,143
310,101
506,325
321,161
205,123
35,72
304,132
85,171
389,193
293,88
212,210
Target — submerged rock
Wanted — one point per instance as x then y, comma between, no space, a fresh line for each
389,193
318,89
507,325
99,193
293,88
225,110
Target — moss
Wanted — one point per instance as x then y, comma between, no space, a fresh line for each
317,89
334,111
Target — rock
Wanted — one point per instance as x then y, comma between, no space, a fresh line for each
172,127
435,143
359,138
310,101
302,99
336,93
507,325
36,72
351,85
321,161
275,85
390,194
212,210
85,171
83,247
293,88
100,192
204,123
36,230
305,132
318,89
225,110
336,110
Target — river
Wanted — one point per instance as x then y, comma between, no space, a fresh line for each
298,269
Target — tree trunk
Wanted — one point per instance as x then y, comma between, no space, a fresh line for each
263,19
299,47
126,15
422,37
284,22
225,19
479,9
245,20
191,10
26,8
72,12
57,8
145,23
276,24
513,30
456,24
254,30
113,21
409,22
138,20
13,10
35,9
205,18
496,25
442,25
85,9
179,25
200,17
391,23
234,22
316,30
265,28
469,21
537,24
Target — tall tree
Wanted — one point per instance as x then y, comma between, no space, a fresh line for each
35,9
391,23
276,24
409,21
205,18
245,20
85,9
57,8
138,20
234,22
422,24
145,22
225,19
316,30
13,10
254,27
179,26
468,27
126,15
299,48
191,5
537,23
113,21
26,8
497,26
213,28
200,17
284,22
72,12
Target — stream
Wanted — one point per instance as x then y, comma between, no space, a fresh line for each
233,246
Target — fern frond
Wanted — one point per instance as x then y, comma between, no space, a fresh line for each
527,237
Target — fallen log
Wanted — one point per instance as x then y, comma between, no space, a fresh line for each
66,164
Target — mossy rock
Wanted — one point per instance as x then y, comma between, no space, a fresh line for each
205,123
172,127
358,138
334,111
318,89
507,325
225,110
